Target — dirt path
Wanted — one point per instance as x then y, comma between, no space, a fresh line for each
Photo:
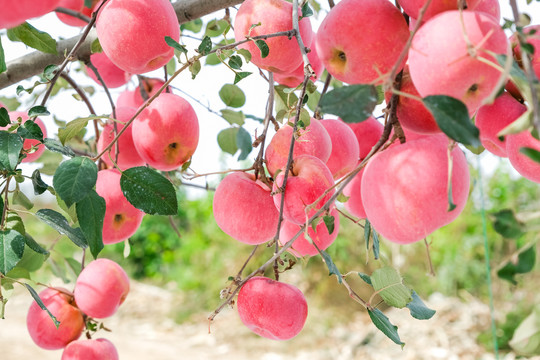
142,329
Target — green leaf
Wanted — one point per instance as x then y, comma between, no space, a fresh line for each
194,26
352,104
383,323
205,46
212,59
19,198
525,263
38,110
11,104
95,47
507,225
32,260
57,147
74,179
526,337
59,223
3,66
531,153
4,117
11,249
30,130
367,233
39,185
91,212
389,285
240,75
263,47
74,265
2,206
10,148
195,68
306,10
41,305
149,191
32,244
34,38
88,4
329,222
233,117
227,140
375,245
283,100
175,45
451,205
365,277
216,27
72,129
235,62
333,270
14,222
453,119
245,53
418,309
232,95
243,142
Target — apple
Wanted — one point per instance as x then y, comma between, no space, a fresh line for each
75,5
359,41
491,119
404,189
101,288
313,140
29,143
128,156
272,309
308,179
368,133
166,133
320,236
111,74
133,98
345,148
524,165
90,349
121,218
412,7
42,328
440,64
353,191
132,33
532,39
234,204
411,113
274,16
15,13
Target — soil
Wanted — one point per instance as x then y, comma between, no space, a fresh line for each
143,329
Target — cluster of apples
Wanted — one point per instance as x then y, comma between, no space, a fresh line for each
100,289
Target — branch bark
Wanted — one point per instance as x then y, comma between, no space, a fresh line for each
32,64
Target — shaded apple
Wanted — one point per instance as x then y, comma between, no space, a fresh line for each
93,349
345,147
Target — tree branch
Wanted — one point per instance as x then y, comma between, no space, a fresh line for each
33,64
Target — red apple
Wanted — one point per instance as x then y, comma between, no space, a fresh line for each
412,7
359,41
272,309
524,165
98,349
111,74
134,98
15,13
532,39
274,16
235,201
132,33
166,133
353,191
367,132
101,288
29,143
121,219
41,327
345,148
75,5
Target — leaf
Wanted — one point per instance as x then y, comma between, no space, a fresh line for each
245,53
375,245
19,198
389,284
352,104
149,191
32,244
525,263
56,146
88,4
195,68
91,212
333,270
533,154
329,222
11,104
451,205
306,10
59,223
1,205
74,179
34,38
233,117
10,148
241,75
95,47
235,62
263,47
38,110
507,225
175,45
41,305
11,249
194,26
383,323
31,260
39,185
418,309
367,234
232,95
205,46
216,27
3,66
74,265
526,338
453,119
14,222
365,277
243,142
227,140
4,117
72,129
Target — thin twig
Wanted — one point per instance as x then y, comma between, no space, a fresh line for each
73,13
